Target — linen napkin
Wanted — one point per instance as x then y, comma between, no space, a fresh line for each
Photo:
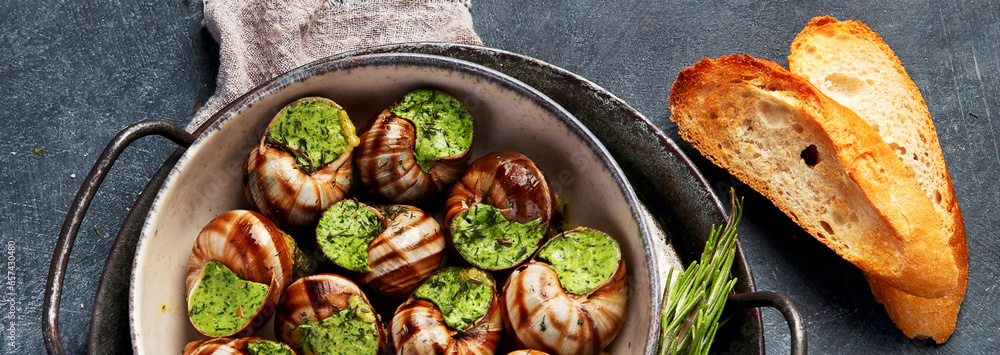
261,39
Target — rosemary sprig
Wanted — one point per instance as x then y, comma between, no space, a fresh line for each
693,301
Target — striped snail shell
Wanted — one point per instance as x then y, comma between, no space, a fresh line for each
527,352
511,184
242,346
303,162
407,252
303,319
416,148
388,248
242,246
543,315
419,326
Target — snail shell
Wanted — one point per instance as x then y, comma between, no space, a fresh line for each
252,247
542,315
226,346
527,352
406,253
406,244
315,298
388,166
508,181
418,328
281,190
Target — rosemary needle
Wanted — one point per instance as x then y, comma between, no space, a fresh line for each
693,300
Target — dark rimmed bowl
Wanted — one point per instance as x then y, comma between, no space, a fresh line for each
508,115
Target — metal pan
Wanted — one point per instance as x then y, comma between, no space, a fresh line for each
672,190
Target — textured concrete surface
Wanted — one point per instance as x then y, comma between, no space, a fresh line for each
635,50
74,73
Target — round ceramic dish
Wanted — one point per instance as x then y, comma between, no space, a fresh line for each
508,115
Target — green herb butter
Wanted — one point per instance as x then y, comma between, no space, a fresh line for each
315,131
583,259
344,233
443,126
462,295
222,303
348,332
263,347
488,240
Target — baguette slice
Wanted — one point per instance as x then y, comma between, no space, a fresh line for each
819,163
851,64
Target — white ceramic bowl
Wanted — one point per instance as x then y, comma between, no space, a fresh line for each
507,115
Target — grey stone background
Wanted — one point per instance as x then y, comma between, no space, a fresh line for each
74,73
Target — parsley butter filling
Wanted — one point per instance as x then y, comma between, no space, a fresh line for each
222,303
350,331
462,295
345,232
315,131
488,240
442,124
583,259
263,347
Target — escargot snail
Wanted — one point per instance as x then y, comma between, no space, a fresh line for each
242,346
237,269
571,299
324,313
455,311
415,148
303,162
498,212
393,247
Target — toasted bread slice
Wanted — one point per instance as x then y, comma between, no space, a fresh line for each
818,162
851,64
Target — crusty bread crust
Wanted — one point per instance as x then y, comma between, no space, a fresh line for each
920,317
851,63
818,162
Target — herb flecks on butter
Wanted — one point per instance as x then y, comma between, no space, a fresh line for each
462,295
583,259
264,347
222,303
315,131
442,124
350,331
488,240
345,232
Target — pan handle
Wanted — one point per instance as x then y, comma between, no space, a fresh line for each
796,326
64,245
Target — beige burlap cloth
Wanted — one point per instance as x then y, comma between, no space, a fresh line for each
260,39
